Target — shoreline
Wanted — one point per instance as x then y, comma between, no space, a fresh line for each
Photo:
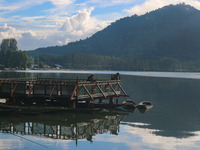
185,75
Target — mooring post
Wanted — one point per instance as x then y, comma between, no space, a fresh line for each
37,76
100,100
88,103
77,82
73,104
111,100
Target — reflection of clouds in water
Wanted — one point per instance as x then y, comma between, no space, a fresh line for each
7,142
131,136
144,138
2,100
18,142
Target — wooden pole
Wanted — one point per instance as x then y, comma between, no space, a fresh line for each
88,92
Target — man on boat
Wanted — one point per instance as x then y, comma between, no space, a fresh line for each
90,78
115,76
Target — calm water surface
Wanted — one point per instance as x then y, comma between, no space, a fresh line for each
173,122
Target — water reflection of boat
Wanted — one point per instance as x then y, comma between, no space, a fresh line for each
145,105
66,126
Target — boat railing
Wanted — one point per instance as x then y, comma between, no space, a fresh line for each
50,88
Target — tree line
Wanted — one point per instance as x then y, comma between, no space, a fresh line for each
94,62
11,57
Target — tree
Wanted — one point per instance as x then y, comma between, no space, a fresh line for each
41,65
10,56
36,60
9,45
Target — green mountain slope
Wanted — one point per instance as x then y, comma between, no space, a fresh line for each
172,31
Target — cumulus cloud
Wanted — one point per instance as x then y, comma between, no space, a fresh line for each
150,5
8,32
82,23
78,26
27,39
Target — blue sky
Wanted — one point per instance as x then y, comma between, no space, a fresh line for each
42,23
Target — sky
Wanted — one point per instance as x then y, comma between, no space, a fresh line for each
43,23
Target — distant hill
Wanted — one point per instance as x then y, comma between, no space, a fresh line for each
172,31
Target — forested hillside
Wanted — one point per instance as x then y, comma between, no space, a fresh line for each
166,39
172,31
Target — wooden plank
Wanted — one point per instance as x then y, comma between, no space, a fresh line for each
113,89
99,83
52,129
13,90
74,93
122,89
88,92
101,91
52,90
94,89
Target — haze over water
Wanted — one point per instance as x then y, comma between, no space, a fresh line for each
173,122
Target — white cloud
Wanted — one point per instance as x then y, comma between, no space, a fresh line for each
8,7
19,5
78,26
61,2
26,38
17,141
150,5
105,3
61,7
8,32
53,26
82,23
143,138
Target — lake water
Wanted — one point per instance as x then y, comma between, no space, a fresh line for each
173,122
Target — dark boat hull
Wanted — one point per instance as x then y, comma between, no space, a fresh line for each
145,105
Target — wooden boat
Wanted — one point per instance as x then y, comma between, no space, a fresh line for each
129,104
145,105
7,111
35,110
31,109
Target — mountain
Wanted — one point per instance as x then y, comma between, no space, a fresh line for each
172,31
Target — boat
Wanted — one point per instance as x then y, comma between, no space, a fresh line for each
129,104
36,110
145,105
31,109
7,111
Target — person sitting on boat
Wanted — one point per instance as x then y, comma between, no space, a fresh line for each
115,76
90,78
